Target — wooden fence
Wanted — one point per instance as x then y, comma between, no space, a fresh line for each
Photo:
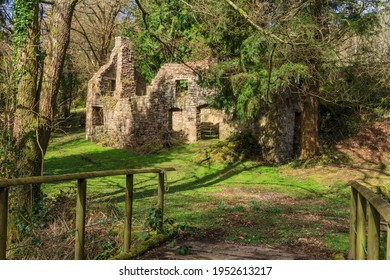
367,208
81,201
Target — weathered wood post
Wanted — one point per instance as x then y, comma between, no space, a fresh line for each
129,212
352,225
388,242
3,222
161,190
373,242
80,218
361,227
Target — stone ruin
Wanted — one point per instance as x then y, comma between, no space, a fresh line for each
122,111
278,128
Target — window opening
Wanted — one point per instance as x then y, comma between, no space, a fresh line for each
181,88
112,85
97,116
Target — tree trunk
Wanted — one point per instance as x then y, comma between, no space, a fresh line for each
310,146
25,84
311,89
59,32
35,102
66,93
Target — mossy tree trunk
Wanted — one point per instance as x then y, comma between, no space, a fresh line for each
68,81
26,63
59,34
37,82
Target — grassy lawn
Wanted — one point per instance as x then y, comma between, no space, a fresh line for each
244,202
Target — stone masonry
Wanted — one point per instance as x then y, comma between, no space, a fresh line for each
278,128
122,111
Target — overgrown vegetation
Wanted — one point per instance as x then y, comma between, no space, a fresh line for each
48,232
163,141
339,122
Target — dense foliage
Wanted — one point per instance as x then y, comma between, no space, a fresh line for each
326,41
165,31
324,51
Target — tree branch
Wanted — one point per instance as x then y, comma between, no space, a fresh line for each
84,34
143,12
144,17
253,24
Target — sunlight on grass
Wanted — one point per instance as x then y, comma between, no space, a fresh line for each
208,196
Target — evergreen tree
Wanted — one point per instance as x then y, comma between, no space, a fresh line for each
164,32
266,48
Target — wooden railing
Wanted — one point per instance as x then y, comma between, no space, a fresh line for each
367,208
81,206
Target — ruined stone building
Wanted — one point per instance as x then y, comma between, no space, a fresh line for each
122,111
278,128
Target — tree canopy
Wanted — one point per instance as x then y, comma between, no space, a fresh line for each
317,49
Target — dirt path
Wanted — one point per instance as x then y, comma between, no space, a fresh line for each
203,250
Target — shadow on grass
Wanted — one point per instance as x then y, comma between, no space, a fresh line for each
196,183
104,160
120,159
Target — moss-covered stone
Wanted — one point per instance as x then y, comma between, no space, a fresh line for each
140,249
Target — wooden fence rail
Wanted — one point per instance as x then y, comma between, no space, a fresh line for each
81,204
367,208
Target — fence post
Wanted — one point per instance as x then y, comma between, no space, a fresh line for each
129,212
361,227
80,218
388,242
373,233
352,225
3,222
161,190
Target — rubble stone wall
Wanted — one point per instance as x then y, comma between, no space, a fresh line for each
278,128
133,114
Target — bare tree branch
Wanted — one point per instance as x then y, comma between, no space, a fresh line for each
84,34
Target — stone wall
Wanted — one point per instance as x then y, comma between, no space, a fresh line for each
278,128
123,112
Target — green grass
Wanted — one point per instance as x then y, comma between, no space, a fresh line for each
251,203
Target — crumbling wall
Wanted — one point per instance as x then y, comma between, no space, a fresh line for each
182,95
123,112
109,92
278,128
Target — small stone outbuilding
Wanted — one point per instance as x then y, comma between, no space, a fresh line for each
278,128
